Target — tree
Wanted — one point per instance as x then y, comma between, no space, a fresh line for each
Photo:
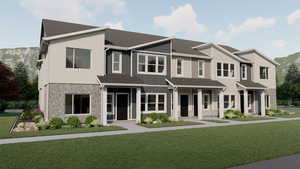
8,85
21,79
292,74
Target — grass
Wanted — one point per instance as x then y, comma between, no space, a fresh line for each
251,118
209,148
171,124
217,121
295,113
6,120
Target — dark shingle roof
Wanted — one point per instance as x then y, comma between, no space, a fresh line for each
53,28
196,82
251,84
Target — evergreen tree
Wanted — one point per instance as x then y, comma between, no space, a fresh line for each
22,80
292,74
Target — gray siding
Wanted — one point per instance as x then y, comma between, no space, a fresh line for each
164,47
249,70
126,62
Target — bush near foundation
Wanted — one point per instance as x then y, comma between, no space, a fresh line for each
229,114
56,123
155,118
89,119
73,121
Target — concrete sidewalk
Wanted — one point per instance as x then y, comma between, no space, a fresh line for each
133,128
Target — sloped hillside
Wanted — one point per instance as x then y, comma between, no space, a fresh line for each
285,62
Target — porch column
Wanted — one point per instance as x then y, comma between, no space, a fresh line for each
262,104
104,108
200,104
245,102
175,104
221,103
138,106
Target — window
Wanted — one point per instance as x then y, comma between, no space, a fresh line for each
117,62
110,107
264,72
179,67
226,101
267,101
219,69
153,102
225,69
244,72
206,101
77,104
78,58
151,64
232,101
200,68
231,70
249,101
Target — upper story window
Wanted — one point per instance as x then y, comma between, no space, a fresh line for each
78,58
264,72
117,62
200,68
179,67
151,64
244,72
225,70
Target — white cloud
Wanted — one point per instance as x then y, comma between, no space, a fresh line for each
293,17
72,10
250,24
118,25
182,20
279,43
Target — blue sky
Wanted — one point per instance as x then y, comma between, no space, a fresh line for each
272,27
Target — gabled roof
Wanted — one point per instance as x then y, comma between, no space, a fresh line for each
257,52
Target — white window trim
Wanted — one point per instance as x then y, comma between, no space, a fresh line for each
203,68
82,114
208,105
244,78
233,70
266,72
230,101
231,105
222,70
111,113
156,103
156,65
181,73
120,62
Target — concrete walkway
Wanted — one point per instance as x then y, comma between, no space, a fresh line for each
289,162
133,128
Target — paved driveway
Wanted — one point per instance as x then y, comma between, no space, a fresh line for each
289,162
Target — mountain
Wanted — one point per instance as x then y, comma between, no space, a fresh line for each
27,55
285,62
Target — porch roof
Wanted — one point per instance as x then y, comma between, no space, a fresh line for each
248,84
126,80
195,83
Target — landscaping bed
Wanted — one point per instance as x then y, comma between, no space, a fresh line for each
171,124
28,128
289,113
216,121
239,116
251,118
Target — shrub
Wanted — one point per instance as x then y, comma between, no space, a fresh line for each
26,115
89,119
229,114
86,125
43,125
172,119
3,105
56,123
73,121
147,120
95,123
37,118
156,116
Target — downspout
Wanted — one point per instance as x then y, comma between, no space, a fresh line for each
105,50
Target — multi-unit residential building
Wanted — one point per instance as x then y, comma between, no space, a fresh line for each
120,75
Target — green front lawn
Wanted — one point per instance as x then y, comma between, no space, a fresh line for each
251,118
209,148
171,124
293,113
6,120
217,121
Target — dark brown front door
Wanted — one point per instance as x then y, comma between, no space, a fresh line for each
195,105
184,105
122,106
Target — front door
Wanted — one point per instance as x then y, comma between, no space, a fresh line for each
195,105
184,105
242,102
122,106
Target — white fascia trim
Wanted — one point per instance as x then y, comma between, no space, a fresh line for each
74,33
253,88
101,85
170,83
150,43
132,84
261,54
116,47
190,86
222,49
151,52
191,55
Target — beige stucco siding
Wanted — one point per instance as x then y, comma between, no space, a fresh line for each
58,73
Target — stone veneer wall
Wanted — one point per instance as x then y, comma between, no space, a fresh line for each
56,101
